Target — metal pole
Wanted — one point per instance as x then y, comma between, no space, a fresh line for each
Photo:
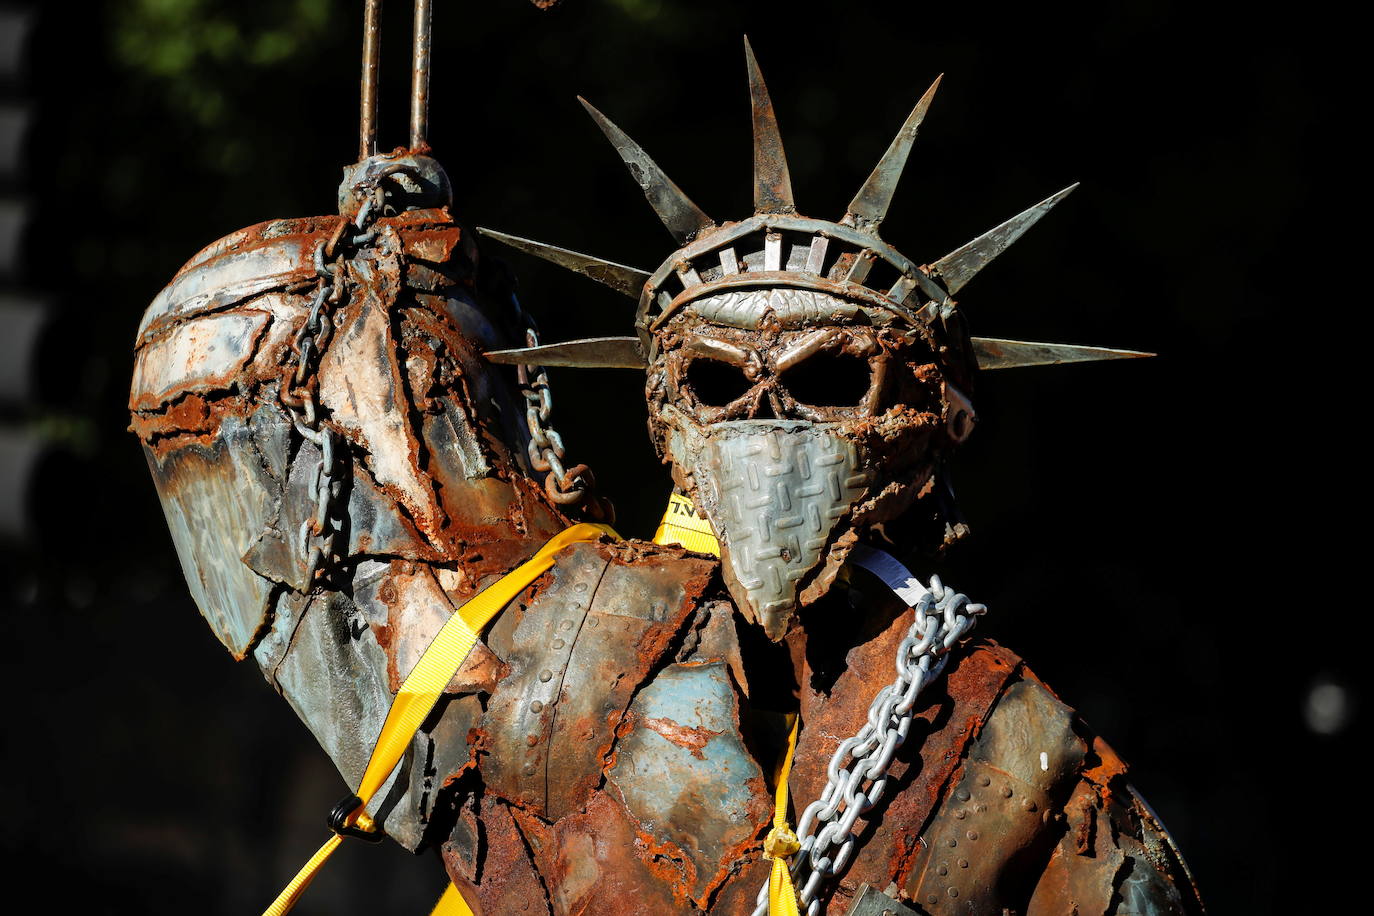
419,76
372,41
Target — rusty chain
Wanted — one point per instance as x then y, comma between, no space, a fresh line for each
943,617
569,487
298,388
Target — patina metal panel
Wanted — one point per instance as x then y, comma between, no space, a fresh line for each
334,675
216,498
635,614
697,796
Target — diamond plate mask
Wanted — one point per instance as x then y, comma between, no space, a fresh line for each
774,491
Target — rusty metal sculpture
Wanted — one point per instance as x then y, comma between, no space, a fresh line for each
342,468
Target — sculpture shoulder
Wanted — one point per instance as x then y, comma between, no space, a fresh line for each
1040,818
437,471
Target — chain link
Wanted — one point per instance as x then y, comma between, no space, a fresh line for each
857,772
298,387
570,487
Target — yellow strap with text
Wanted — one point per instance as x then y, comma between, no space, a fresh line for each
421,690
681,525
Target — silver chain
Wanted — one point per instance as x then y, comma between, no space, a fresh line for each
857,773
297,390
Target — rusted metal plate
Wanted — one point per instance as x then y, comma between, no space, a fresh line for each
428,235
595,861
279,551
376,526
491,865
335,676
361,383
217,497
635,614
202,355
947,719
271,255
1081,874
697,796
1017,774
520,714
405,608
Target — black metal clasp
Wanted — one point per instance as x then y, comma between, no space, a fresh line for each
338,820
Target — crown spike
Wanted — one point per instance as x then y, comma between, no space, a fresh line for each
587,353
869,206
772,182
995,353
622,279
683,218
962,264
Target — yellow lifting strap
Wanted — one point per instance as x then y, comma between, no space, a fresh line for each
681,525
781,842
419,693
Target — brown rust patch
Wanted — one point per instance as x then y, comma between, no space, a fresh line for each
191,419
1105,768
584,863
693,738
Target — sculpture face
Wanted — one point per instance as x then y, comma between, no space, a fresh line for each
795,419
804,376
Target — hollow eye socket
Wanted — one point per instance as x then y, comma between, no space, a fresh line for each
829,379
716,383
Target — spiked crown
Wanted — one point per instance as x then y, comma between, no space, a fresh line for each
777,247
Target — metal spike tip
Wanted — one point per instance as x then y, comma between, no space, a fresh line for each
619,277
683,218
869,206
772,182
995,353
588,353
962,264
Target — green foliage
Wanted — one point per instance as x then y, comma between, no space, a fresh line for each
188,52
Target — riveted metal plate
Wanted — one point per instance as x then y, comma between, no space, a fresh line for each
1017,773
636,612
873,902
520,714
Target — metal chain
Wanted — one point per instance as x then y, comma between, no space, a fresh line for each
857,773
298,383
567,486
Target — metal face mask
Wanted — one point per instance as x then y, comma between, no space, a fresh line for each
792,421
804,377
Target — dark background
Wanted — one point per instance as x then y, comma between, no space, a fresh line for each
1161,539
